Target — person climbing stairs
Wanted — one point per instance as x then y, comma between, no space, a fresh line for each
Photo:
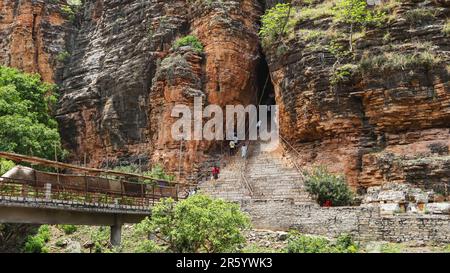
262,175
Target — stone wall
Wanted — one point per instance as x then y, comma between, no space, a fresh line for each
365,223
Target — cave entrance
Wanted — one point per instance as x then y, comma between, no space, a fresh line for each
266,91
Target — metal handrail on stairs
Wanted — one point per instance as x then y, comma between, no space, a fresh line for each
243,170
293,161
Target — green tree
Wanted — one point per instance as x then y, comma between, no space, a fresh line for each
197,224
27,126
328,187
356,14
273,23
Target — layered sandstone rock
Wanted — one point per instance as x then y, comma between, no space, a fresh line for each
376,126
119,86
224,74
33,36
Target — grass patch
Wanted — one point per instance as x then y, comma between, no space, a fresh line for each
319,11
343,74
419,16
393,61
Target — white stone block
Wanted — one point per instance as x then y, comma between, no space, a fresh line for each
438,208
389,208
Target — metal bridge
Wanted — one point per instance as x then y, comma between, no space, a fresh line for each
107,198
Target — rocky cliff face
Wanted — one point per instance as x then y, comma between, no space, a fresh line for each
124,77
380,113
33,36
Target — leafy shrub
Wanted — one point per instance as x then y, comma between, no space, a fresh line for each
63,56
343,73
328,187
148,246
191,41
68,229
100,239
158,172
299,243
25,106
36,243
355,14
197,224
345,244
274,23
5,165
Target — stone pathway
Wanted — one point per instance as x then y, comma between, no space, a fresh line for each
263,176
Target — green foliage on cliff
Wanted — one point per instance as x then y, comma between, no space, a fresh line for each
26,124
328,187
343,74
274,23
191,41
197,224
394,61
299,243
355,14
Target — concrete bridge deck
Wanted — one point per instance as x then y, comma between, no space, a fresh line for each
53,212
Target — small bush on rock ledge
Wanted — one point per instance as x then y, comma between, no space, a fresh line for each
191,41
329,189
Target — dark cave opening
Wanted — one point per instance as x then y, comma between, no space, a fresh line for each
266,91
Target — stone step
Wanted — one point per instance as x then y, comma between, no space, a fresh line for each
269,175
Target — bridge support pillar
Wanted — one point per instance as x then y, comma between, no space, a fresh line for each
116,234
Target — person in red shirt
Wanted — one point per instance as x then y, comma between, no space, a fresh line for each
215,172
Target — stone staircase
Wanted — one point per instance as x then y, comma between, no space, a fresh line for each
262,176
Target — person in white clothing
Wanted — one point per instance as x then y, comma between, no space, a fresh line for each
244,151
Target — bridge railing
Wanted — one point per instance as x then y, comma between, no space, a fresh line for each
129,194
